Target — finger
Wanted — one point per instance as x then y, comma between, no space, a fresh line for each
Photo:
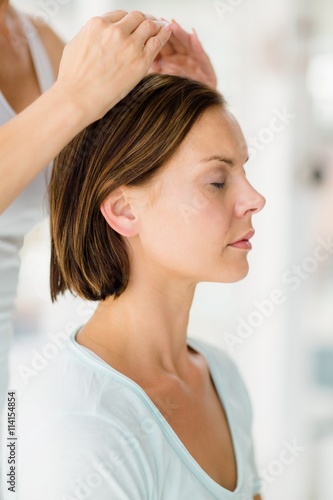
173,47
155,43
153,70
168,49
158,57
172,69
195,42
179,43
181,39
155,67
147,29
200,55
132,21
150,16
177,63
115,16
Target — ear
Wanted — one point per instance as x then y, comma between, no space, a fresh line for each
117,211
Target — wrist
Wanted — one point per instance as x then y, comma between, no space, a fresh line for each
68,106
83,109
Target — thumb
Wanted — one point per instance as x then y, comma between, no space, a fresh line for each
195,42
155,66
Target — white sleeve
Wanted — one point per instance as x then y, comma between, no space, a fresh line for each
82,457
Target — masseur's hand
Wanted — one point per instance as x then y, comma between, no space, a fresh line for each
183,55
107,58
102,63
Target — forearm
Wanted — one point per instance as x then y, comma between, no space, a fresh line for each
102,63
32,139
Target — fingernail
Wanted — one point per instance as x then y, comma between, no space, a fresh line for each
161,23
149,16
169,26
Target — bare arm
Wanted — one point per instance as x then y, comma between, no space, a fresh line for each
257,497
103,62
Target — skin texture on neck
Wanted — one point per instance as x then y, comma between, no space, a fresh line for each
146,325
145,329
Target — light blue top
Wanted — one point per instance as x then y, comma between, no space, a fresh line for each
86,431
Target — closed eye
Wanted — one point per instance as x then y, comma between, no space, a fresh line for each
219,185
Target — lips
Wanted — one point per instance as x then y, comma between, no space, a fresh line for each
243,243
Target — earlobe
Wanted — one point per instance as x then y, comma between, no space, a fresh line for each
117,212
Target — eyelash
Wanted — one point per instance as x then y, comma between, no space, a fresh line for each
219,185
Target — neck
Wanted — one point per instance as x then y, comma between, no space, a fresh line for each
146,326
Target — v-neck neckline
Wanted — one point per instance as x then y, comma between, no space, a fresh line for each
210,484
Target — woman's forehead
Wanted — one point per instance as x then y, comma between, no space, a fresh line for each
216,133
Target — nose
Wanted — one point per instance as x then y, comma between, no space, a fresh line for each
249,201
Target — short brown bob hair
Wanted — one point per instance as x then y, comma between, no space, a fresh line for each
128,146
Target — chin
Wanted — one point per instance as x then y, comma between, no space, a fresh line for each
232,276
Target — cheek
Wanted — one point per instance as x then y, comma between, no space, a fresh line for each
198,206
210,214
198,228
186,226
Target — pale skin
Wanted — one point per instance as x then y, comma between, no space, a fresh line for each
184,55
181,372
143,333
99,66
87,86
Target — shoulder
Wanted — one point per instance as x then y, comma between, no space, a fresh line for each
83,430
69,382
53,44
86,393
77,453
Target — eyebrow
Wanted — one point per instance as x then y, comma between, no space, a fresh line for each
223,159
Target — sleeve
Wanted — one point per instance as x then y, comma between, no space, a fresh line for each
83,457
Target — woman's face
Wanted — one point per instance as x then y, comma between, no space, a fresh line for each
198,219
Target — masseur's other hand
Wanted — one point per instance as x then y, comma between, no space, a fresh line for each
183,55
107,58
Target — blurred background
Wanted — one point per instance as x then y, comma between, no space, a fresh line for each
274,62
